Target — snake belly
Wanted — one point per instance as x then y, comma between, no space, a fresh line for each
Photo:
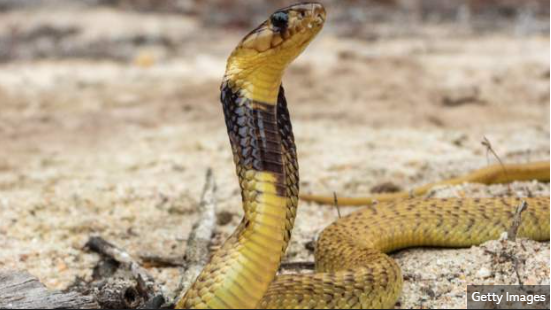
352,269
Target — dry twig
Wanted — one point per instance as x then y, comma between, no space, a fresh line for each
490,149
20,290
517,220
146,284
197,250
336,201
162,261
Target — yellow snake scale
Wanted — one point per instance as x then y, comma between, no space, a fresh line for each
352,269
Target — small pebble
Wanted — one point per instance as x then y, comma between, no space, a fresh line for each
483,273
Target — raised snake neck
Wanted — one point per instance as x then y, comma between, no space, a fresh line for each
351,267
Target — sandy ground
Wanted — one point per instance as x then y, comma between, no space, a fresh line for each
120,149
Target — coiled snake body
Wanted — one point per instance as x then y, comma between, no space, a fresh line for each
352,270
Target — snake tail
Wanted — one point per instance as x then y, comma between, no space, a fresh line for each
494,174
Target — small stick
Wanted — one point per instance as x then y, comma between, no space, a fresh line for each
490,149
197,249
21,290
146,284
162,261
517,219
336,201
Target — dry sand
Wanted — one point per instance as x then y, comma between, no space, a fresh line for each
120,149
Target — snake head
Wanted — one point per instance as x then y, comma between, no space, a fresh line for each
286,32
290,28
257,63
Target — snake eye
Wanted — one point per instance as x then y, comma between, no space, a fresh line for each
279,20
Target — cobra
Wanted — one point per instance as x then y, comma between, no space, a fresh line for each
352,269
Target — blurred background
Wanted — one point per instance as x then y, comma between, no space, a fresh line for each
62,37
109,117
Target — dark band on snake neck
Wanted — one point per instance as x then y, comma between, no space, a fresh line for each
261,135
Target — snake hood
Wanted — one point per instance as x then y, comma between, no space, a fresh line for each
260,59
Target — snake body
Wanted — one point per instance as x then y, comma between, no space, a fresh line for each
494,174
352,269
